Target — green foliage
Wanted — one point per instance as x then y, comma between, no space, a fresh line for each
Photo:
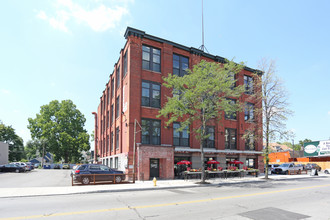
202,95
16,149
34,149
301,142
61,124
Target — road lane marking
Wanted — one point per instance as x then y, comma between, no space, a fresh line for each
161,205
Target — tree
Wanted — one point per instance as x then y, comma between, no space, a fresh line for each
274,110
301,142
62,125
36,148
201,97
16,148
32,149
296,147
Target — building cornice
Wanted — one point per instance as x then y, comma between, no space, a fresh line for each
141,34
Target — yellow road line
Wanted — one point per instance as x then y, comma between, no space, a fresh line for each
161,205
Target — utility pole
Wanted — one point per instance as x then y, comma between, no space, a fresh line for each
134,148
293,149
95,137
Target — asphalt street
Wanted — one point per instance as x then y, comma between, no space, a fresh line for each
36,178
307,198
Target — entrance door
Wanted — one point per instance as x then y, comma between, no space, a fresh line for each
154,168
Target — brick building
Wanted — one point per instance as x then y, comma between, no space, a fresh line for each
134,92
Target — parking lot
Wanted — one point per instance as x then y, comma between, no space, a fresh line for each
36,178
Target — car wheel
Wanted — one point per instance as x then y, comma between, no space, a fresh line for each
85,180
326,172
17,171
286,172
118,179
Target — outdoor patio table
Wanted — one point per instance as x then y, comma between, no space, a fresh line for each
253,173
192,175
215,174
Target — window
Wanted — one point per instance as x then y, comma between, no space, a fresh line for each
107,147
102,126
230,139
111,162
250,163
209,142
111,141
103,144
232,77
118,77
231,115
150,94
150,58
116,162
108,95
150,131
125,65
117,107
105,168
94,167
180,64
249,112
108,119
111,114
248,84
112,87
180,138
117,138
249,142
104,122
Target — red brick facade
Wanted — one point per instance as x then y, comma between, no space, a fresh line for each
119,152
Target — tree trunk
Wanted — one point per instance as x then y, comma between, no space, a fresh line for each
267,150
203,177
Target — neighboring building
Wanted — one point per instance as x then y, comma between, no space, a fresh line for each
4,152
135,92
275,147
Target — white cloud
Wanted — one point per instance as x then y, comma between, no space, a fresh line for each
328,112
99,18
42,15
5,91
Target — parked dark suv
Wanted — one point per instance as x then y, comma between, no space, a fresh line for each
84,174
310,166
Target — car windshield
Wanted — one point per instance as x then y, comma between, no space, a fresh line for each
284,165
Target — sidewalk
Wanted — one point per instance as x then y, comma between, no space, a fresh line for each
139,185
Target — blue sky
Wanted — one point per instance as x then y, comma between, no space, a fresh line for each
66,49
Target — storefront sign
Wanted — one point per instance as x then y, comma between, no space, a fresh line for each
324,148
317,148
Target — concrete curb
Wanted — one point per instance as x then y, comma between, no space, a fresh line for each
148,187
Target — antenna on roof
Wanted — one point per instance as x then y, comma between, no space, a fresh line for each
202,47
